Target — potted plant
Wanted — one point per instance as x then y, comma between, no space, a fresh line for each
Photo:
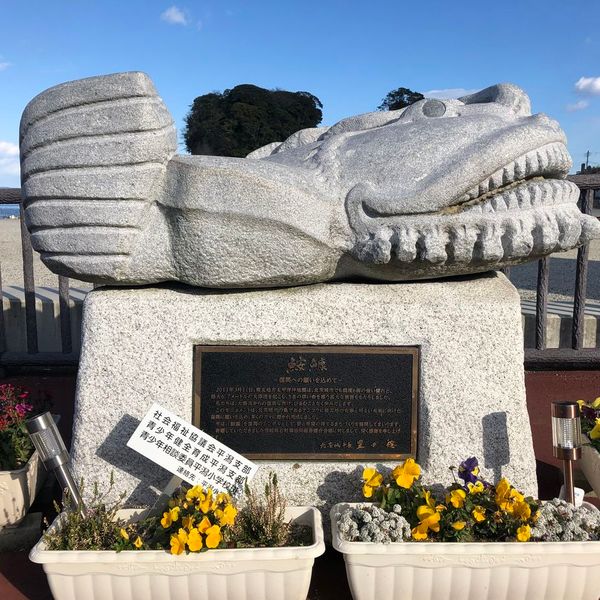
200,546
21,474
470,541
590,426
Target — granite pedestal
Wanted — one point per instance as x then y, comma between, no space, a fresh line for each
138,349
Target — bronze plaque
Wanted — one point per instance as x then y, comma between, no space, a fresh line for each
309,402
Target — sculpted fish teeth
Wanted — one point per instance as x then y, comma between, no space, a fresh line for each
569,226
519,241
433,242
520,168
512,201
545,232
499,203
491,242
462,241
496,179
406,250
530,165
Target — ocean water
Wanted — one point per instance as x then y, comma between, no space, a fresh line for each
9,210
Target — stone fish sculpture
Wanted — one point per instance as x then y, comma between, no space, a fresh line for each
436,189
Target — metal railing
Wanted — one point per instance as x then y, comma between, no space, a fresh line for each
33,356
575,357
539,357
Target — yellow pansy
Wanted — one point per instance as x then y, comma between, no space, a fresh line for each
187,522
475,488
194,493
596,403
213,536
429,517
170,517
419,532
459,525
522,511
372,479
208,503
204,525
581,404
223,498
431,502
523,533
227,515
406,473
507,496
124,534
479,513
595,432
178,542
456,498
194,540
138,542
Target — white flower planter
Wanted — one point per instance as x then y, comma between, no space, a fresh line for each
590,465
237,574
470,571
18,490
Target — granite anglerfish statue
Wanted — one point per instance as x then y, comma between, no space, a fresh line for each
436,189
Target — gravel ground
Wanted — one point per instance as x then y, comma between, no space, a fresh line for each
562,268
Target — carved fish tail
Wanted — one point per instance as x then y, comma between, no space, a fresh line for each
92,153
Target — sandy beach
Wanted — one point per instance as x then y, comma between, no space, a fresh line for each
11,259
562,268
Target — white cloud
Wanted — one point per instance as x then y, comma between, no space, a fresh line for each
579,105
9,166
174,16
4,65
8,149
589,86
9,159
447,93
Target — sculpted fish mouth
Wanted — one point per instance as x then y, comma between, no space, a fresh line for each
524,209
519,184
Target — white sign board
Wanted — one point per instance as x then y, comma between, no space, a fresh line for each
189,453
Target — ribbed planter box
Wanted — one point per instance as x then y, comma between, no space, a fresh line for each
18,490
470,571
590,465
238,574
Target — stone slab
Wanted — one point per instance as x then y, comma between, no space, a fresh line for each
138,343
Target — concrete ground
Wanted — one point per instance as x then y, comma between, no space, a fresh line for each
562,269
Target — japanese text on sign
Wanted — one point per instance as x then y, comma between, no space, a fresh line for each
189,453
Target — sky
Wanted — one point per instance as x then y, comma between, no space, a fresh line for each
349,54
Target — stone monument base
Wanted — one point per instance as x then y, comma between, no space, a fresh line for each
138,346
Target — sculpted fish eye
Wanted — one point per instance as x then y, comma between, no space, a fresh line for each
433,108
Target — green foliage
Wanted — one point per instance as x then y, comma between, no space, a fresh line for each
98,530
399,98
246,117
261,522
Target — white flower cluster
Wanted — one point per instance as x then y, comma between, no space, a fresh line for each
560,521
373,524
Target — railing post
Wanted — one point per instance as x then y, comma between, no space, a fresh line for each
541,303
65,315
29,285
3,342
581,280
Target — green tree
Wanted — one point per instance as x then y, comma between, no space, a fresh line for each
399,98
246,117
